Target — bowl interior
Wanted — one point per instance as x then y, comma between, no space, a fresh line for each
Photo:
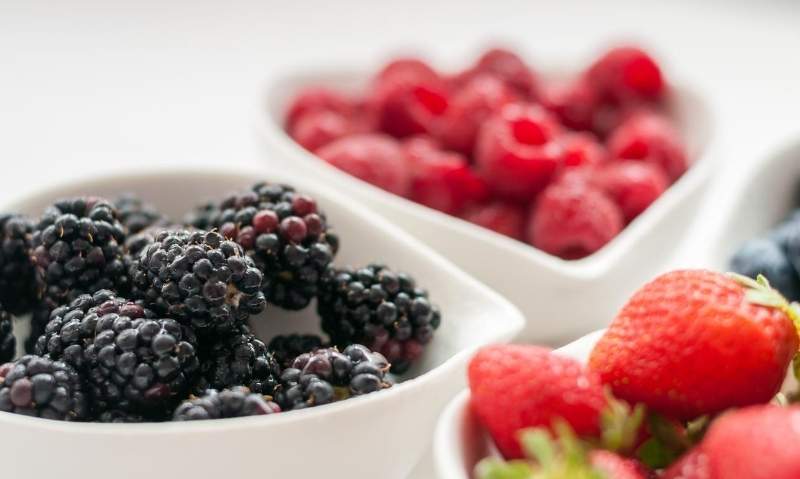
472,314
691,113
764,196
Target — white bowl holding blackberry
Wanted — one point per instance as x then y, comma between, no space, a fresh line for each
524,274
125,348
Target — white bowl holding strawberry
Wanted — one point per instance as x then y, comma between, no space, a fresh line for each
690,379
536,184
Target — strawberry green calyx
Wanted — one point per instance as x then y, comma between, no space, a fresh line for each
760,292
564,456
620,424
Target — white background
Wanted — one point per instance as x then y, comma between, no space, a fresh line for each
89,86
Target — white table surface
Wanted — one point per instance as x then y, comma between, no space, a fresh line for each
89,86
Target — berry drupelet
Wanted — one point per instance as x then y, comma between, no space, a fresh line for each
8,343
200,279
78,248
286,235
379,308
135,214
17,278
36,386
327,375
287,348
234,402
132,361
238,358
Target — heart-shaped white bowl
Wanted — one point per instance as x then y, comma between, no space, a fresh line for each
384,433
586,290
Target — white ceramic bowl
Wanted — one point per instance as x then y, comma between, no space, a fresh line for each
587,290
383,433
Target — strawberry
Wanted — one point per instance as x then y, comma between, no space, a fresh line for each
515,387
696,342
693,465
615,466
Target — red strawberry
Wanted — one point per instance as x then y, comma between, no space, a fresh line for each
693,465
759,442
615,466
515,387
697,342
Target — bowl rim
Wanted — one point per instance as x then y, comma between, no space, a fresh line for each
269,127
513,324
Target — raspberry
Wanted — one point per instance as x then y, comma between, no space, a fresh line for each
632,185
627,73
318,128
374,158
650,137
516,152
581,150
442,180
408,98
510,68
575,103
572,221
471,105
501,217
313,99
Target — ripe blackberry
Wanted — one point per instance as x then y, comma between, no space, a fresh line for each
40,316
136,243
18,290
78,248
237,359
200,279
36,386
132,362
136,215
287,237
379,308
326,375
115,416
8,344
287,348
202,217
234,402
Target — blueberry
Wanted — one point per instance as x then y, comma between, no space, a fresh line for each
765,256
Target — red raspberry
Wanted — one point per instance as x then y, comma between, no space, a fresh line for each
501,217
515,387
633,185
408,98
575,103
316,99
471,105
650,137
581,150
374,158
509,67
573,220
442,180
318,128
627,73
516,152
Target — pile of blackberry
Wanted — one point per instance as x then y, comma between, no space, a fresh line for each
136,318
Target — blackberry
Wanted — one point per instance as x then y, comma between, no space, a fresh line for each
286,235
132,361
117,416
237,359
765,256
136,215
200,279
8,343
202,217
39,319
379,308
77,249
234,402
326,375
36,386
287,348
18,291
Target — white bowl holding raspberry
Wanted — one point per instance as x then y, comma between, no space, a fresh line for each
387,431
521,194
